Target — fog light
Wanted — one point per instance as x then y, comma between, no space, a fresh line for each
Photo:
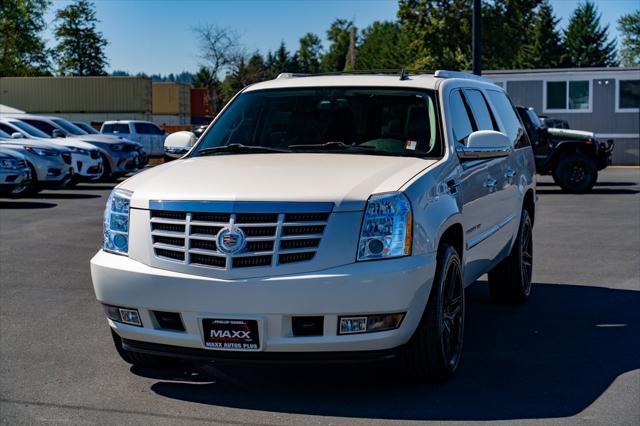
369,323
124,315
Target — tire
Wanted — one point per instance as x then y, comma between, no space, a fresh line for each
31,188
106,169
73,181
434,351
510,280
142,360
576,173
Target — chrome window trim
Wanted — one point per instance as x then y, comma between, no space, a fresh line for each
241,206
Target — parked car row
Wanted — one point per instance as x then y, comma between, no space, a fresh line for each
59,153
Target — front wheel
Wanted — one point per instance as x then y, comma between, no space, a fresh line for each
434,351
510,280
576,173
30,188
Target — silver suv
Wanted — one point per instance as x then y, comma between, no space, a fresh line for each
336,216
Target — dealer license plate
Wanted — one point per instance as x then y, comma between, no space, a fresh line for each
231,334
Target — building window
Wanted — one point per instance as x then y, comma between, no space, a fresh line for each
573,95
629,95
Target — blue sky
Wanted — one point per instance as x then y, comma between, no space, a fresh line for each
156,37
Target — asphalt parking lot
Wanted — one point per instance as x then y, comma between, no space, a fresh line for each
571,354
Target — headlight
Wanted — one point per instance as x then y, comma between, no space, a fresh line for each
117,147
116,222
41,151
386,228
9,164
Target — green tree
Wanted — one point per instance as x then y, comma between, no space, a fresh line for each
587,41
544,49
506,26
383,46
22,50
244,72
309,53
440,33
80,48
629,27
335,59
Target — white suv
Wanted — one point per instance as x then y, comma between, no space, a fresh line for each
324,217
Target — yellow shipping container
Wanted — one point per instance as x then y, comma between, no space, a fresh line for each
171,98
77,94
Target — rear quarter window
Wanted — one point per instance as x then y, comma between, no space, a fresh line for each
115,128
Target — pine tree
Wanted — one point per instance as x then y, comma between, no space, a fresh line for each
308,55
22,49
587,41
545,49
80,49
335,59
384,46
629,26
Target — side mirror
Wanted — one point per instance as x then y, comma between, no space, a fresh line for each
17,135
484,144
178,144
57,133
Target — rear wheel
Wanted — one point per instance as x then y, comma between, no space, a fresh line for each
142,360
576,173
434,351
510,280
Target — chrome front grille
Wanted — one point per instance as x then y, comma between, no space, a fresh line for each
271,239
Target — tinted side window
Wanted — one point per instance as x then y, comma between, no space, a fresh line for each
44,126
510,121
115,128
147,129
461,124
481,113
7,129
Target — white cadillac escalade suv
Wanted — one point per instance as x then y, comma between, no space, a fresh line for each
324,217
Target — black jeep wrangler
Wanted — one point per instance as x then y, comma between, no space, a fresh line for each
572,157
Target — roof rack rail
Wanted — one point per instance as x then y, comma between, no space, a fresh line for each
460,74
404,73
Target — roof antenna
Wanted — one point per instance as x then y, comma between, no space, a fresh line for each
404,75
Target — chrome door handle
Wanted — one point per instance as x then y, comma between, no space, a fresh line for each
491,184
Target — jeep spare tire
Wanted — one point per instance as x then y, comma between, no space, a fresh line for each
576,173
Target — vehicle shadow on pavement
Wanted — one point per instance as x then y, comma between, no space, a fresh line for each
25,205
551,357
64,196
607,191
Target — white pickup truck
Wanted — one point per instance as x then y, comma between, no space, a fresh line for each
324,217
144,132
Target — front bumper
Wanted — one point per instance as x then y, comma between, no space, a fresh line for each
125,162
605,151
86,167
388,286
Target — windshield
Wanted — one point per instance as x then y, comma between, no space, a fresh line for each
352,120
87,128
69,127
29,129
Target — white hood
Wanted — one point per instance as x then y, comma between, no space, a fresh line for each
36,143
71,142
344,179
100,139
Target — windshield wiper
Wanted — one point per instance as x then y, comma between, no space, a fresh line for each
333,145
238,148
